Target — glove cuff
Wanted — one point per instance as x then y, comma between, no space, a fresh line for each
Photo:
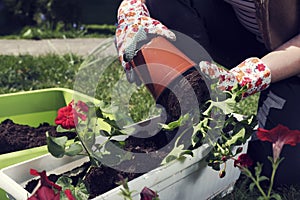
130,10
253,74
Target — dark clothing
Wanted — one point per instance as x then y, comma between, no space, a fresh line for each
213,24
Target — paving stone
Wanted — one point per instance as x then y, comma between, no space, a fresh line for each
78,46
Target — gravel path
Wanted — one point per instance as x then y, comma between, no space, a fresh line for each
82,47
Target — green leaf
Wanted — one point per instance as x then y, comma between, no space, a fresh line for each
262,178
60,129
56,145
251,187
127,131
79,191
238,136
64,182
73,149
176,153
227,106
276,196
258,169
175,124
201,127
125,191
103,125
261,198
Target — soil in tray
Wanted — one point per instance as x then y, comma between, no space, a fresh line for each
99,180
15,137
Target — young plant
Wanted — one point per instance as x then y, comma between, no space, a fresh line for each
278,136
217,127
89,122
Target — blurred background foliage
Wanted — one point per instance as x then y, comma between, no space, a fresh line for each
33,17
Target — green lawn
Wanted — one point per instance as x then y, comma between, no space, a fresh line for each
26,72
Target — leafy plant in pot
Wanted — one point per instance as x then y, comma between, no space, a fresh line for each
109,147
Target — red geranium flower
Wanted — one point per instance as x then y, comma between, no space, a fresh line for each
68,116
65,117
279,136
243,160
148,194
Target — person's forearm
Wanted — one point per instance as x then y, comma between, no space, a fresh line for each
284,62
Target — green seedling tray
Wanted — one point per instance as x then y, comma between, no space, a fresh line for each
32,108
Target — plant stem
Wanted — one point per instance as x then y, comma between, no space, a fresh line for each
90,154
275,165
256,181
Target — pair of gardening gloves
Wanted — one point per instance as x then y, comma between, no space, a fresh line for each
134,26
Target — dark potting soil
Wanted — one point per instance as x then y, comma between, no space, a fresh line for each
184,94
15,137
99,180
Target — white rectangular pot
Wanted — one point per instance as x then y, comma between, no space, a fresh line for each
178,180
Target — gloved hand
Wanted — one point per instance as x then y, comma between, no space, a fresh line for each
252,73
134,23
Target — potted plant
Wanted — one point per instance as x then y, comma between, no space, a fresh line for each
184,173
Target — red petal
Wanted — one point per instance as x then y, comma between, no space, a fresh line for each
264,135
82,106
280,133
45,193
34,172
69,194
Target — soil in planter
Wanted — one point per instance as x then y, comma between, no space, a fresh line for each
99,180
183,101
15,137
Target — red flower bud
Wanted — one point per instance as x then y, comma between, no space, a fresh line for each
222,173
224,158
243,160
148,194
239,150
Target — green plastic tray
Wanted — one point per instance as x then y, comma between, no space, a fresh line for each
32,108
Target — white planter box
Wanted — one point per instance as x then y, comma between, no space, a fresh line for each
190,179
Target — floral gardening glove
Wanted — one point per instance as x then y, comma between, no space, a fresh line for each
252,73
134,23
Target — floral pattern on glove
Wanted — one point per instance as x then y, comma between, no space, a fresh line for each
252,73
133,15
226,80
